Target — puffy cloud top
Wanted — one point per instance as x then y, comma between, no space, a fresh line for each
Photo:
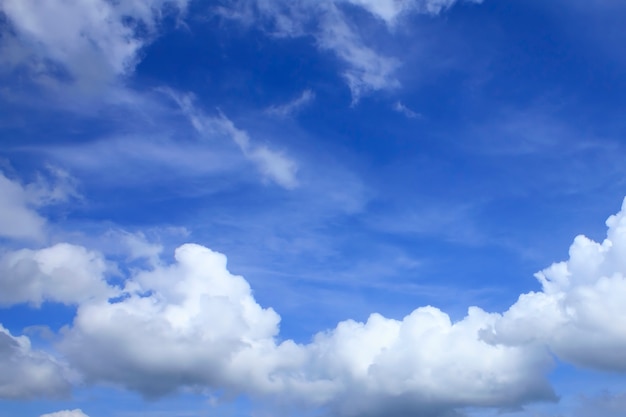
581,311
193,323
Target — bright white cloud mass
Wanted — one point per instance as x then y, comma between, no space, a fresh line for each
194,324
383,176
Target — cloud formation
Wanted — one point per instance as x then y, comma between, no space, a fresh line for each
66,413
86,42
19,204
403,109
365,68
273,165
580,311
62,273
293,106
26,373
192,324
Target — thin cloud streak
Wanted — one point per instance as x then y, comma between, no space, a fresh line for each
273,165
293,106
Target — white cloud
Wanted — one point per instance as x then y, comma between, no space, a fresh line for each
19,203
66,413
18,219
194,324
580,311
187,324
293,106
366,69
27,373
403,109
423,362
273,165
91,42
139,248
62,273
391,10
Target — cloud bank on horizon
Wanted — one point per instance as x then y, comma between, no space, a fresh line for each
113,158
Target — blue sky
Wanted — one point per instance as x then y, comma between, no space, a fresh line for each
312,208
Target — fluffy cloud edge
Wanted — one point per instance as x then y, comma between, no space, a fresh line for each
29,374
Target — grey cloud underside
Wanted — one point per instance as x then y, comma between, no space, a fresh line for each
28,374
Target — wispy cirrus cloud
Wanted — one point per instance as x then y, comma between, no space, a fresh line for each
365,68
401,108
274,165
284,110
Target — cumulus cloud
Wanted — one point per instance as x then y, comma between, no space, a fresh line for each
194,324
187,324
62,273
273,165
89,42
580,311
19,218
27,373
66,413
